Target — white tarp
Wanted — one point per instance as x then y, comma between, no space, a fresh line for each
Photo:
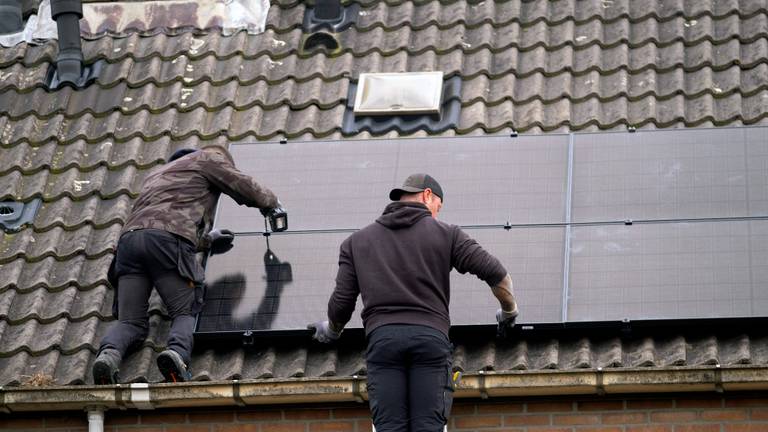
121,18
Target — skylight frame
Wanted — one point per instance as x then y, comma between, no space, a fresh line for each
365,88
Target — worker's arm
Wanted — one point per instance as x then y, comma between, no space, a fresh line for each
503,292
342,301
221,172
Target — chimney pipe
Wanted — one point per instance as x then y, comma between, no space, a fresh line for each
10,16
69,62
328,10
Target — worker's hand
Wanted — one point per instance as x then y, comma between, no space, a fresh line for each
323,332
506,321
266,210
221,241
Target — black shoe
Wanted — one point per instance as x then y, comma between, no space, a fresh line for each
172,367
105,367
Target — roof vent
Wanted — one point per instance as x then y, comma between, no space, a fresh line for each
330,15
70,69
10,16
14,215
319,41
399,93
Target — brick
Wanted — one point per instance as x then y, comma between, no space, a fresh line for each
576,419
20,423
746,402
759,414
284,427
644,404
308,414
188,428
599,429
339,426
550,429
464,409
364,425
625,418
652,428
549,406
259,415
343,413
699,403
746,427
526,420
477,421
600,406
71,421
136,429
500,408
673,417
163,418
724,414
237,428
698,428
113,419
212,417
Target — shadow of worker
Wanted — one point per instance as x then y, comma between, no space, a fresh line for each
228,298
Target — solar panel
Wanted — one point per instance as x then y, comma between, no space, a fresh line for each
666,175
288,285
335,185
552,208
669,271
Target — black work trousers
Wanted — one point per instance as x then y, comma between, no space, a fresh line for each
409,378
147,258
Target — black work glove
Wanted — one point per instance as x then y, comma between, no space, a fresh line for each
506,321
221,241
323,332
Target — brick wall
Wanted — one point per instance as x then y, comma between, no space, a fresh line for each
704,413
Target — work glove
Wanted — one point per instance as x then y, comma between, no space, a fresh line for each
323,332
506,321
221,241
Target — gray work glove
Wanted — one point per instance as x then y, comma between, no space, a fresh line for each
221,241
506,321
323,332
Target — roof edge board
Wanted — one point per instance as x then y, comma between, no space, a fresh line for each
350,389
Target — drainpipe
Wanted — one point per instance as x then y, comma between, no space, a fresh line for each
69,63
328,10
10,16
95,420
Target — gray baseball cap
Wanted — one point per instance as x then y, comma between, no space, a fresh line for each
417,183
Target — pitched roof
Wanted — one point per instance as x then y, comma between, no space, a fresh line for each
532,66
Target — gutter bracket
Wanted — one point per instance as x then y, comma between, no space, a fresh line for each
356,389
3,407
236,394
119,401
600,388
140,396
719,379
481,385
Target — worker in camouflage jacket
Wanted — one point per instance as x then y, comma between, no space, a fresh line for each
169,223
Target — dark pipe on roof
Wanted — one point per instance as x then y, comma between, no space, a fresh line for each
10,16
69,63
328,10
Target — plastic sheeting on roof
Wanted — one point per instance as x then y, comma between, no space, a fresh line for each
121,18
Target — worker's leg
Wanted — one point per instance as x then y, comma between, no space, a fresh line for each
133,323
387,385
178,296
429,380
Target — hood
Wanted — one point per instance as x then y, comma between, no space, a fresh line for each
403,214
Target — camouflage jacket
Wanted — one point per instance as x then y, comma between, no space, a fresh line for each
181,196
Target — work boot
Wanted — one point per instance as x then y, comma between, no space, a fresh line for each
172,366
105,367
